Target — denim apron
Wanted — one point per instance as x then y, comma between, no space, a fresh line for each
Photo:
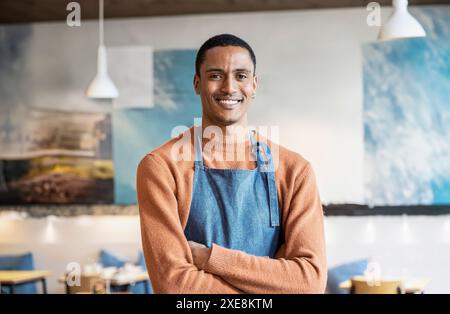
235,208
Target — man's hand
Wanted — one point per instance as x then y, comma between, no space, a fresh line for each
200,253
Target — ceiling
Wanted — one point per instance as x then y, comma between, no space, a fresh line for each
20,11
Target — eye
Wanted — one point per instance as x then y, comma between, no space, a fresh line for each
215,76
241,76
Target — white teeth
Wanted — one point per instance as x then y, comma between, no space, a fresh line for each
228,102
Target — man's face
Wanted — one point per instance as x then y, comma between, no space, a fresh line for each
226,85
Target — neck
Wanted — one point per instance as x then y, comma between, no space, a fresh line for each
235,132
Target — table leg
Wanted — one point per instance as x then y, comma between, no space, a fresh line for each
44,286
11,289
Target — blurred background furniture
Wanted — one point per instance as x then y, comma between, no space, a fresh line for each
111,275
20,282
15,281
97,284
359,285
344,272
139,284
88,284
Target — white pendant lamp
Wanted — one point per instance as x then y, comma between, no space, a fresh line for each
101,86
401,24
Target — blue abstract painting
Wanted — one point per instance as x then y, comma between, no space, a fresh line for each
136,132
407,115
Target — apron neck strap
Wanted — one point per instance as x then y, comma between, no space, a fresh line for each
198,144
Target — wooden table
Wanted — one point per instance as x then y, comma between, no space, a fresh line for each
410,286
11,278
125,283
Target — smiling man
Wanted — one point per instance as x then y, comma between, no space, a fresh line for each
230,225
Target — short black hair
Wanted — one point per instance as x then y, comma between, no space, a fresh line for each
222,40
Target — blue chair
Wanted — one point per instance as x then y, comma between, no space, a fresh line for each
109,260
343,272
18,262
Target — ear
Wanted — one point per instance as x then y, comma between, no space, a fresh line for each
255,83
196,83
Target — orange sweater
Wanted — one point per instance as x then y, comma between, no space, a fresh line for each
164,190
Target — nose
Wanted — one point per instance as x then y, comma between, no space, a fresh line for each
228,85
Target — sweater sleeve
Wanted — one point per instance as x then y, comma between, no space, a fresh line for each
167,253
300,264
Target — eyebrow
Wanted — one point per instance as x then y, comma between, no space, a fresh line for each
221,70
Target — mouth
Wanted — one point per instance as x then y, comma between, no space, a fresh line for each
228,103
